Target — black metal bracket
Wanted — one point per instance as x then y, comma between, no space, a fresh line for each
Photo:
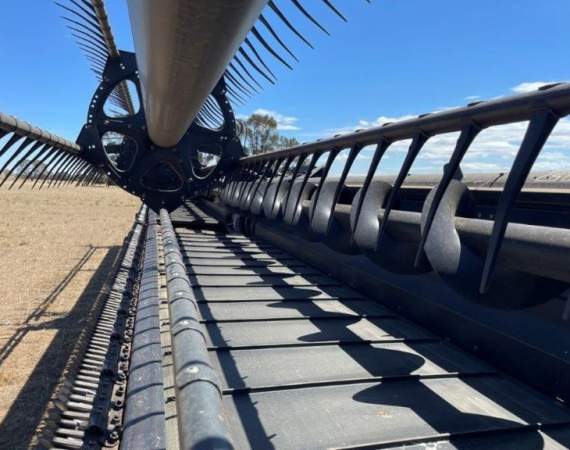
162,177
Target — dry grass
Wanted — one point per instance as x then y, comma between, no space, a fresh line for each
58,248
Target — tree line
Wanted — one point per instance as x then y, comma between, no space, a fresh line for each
260,135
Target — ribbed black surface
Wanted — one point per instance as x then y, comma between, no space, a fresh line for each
306,362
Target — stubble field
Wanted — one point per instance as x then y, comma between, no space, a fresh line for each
57,250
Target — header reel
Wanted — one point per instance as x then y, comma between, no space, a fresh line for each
117,141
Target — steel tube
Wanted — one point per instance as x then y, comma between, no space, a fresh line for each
198,392
182,49
538,250
144,413
22,128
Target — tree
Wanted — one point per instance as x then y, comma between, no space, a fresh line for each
286,142
260,135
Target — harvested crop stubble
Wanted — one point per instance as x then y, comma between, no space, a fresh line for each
59,247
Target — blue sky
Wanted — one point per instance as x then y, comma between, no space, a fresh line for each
393,58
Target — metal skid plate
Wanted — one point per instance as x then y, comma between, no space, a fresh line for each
162,177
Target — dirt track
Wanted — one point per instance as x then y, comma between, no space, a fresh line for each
57,249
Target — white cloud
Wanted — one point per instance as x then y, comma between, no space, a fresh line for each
495,148
471,98
435,168
360,125
383,120
284,123
548,160
482,167
529,86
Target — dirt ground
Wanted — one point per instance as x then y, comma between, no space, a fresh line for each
57,249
